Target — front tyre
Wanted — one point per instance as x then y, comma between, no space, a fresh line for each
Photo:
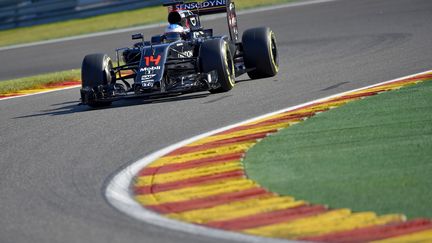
216,55
260,52
96,76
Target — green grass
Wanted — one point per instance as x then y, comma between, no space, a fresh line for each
38,81
373,154
101,23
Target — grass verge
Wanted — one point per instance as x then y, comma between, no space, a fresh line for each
373,154
38,81
101,23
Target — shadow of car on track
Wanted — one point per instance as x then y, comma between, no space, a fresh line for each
76,107
70,107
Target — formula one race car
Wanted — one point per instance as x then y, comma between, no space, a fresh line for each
186,58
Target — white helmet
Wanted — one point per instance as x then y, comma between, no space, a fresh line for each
175,28
174,32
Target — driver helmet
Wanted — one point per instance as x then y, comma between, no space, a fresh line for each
175,28
174,32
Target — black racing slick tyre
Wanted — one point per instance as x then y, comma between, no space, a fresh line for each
96,73
216,55
260,52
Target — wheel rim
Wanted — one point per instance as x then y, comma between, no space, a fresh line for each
274,52
108,78
229,65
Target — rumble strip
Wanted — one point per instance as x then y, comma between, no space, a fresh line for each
201,181
43,90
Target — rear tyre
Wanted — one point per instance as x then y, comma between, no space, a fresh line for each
260,52
216,55
96,74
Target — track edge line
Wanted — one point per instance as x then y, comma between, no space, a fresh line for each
119,193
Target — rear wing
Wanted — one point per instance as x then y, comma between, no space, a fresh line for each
208,7
203,8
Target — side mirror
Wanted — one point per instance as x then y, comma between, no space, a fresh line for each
138,36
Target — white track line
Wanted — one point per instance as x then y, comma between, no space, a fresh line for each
42,92
144,27
118,191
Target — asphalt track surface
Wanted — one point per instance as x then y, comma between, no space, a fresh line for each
56,157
